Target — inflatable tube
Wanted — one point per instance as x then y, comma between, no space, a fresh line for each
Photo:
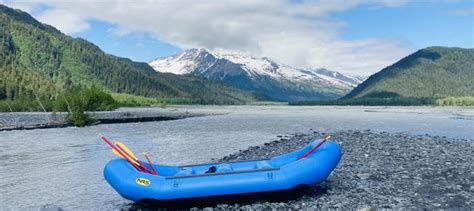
218,181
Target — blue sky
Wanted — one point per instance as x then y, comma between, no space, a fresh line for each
354,36
420,24
136,46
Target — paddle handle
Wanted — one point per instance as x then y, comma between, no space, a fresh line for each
120,152
151,164
314,148
141,166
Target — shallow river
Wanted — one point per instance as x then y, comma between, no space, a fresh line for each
63,167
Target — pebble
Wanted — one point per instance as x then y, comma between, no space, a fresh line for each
50,207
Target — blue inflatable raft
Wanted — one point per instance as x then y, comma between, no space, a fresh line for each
218,182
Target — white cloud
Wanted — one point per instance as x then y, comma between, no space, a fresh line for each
64,20
300,34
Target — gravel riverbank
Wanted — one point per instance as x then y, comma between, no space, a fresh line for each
38,120
381,170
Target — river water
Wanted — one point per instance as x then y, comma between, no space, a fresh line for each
63,167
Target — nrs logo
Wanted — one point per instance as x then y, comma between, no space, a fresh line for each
143,181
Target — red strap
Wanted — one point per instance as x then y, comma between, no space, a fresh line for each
314,148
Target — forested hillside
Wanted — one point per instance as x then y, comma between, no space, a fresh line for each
430,76
434,72
39,62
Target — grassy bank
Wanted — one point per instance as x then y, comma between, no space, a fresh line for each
75,101
79,98
268,103
456,101
127,100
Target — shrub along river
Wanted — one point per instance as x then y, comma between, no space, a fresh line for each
62,167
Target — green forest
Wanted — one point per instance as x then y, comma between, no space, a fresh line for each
39,65
434,72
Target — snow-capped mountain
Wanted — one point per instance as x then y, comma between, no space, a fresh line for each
261,75
350,80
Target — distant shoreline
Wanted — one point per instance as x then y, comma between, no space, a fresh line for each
394,101
45,120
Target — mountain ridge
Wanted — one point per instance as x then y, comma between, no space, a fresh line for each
262,75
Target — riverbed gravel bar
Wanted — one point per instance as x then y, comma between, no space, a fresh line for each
380,170
39,120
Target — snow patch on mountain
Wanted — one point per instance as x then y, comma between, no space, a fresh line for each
179,64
